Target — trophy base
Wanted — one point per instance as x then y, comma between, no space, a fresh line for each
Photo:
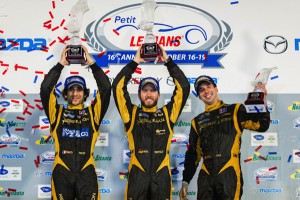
75,55
150,51
255,102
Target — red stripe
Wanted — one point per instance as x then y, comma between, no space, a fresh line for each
106,20
116,32
51,15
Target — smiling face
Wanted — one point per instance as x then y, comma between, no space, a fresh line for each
75,95
208,93
149,96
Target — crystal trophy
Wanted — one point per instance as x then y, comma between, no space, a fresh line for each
150,49
75,54
256,101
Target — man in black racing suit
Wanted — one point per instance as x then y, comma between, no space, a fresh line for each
75,130
149,130
215,136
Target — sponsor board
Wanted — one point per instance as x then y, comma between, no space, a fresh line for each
264,139
102,140
10,173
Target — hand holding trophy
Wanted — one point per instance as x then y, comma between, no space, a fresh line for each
75,54
150,49
256,100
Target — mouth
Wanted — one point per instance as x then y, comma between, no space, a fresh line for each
208,96
149,100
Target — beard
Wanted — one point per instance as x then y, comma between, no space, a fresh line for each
149,105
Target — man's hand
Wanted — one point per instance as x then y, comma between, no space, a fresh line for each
183,191
63,59
137,57
163,53
89,60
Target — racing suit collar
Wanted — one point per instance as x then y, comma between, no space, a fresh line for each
153,109
80,106
214,106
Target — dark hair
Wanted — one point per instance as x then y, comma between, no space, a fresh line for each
85,91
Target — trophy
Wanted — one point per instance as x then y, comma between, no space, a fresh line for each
256,100
150,49
75,54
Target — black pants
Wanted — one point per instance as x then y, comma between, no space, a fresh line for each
228,185
70,185
146,186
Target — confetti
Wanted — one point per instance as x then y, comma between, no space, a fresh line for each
263,158
4,88
30,106
138,71
101,54
39,107
20,67
272,168
8,133
248,160
19,129
274,77
257,180
74,73
23,93
35,126
23,148
53,4
136,81
4,65
35,79
63,40
107,71
20,118
55,28
26,111
11,189
36,163
258,147
48,138
272,153
52,43
2,110
49,57
51,15
234,2
1,31
4,72
62,22
289,159
3,146
44,127
27,103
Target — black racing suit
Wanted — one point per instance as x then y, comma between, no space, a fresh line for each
149,132
215,136
75,131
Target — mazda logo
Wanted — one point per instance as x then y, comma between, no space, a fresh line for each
275,44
